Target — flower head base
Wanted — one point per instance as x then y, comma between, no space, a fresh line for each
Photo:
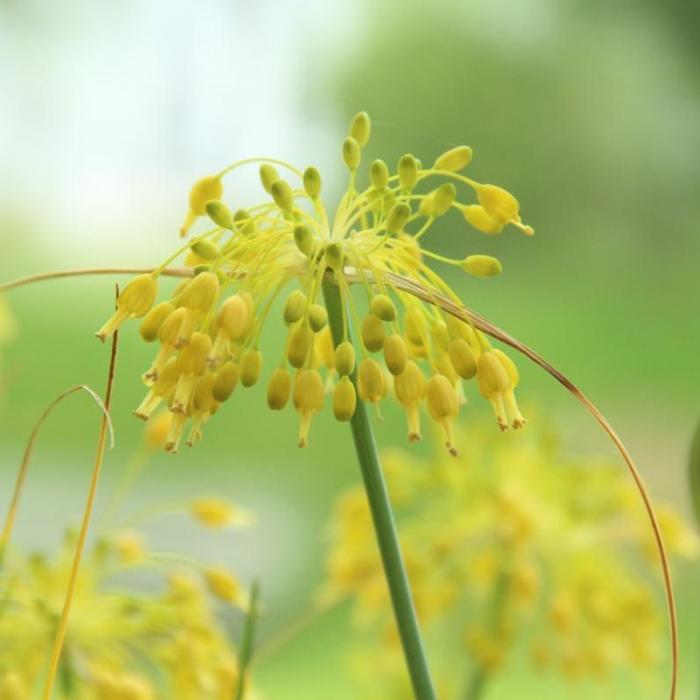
285,248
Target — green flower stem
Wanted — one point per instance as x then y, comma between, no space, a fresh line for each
385,529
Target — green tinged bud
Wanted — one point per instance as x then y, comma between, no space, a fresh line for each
282,194
206,249
379,174
219,213
360,128
397,218
408,171
251,366
482,266
454,160
154,319
462,358
304,239
268,174
334,256
344,400
299,345
244,222
318,317
373,333
312,182
294,307
443,197
395,354
344,358
278,389
382,306
225,381
351,153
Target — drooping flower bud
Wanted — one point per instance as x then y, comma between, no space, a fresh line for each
278,389
163,389
304,239
462,358
344,399
224,585
268,174
443,405
482,265
220,214
234,317
397,217
244,222
360,128
373,333
191,364
516,418
351,153
312,182
379,174
308,399
225,381
383,307
440,334
282,194
443,196
294,307
498,203
203,191
370,381
153,320
205,249
251,366
410,388
135,301
480,219
454,160
324,350
395,354
318,317
493,380
200,293
299,345
408,171
344,358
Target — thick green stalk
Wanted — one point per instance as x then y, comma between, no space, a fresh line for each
385,529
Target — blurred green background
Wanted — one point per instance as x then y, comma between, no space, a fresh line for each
587,111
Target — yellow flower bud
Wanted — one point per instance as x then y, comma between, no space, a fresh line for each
163,389
462,329
440,334
157,430
224,585
479,218
278,389
351,153
360,128
304,239
395,354
204,190
415,331
397,217
493,380
282,194
516,418
200,293
462,358
379,174
234,317
205,249
318,317
218,512
383,307
251,366
482,266
308,399
443,405
325,348
344,399
154,319
312,182
408,171
299,345
370,381
225,381
344,358
454,160
220,214
443,365
294,307
498,203
410,388
373,333
268,174
193,357
135,301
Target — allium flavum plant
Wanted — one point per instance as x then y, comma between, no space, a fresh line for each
513,550
286,246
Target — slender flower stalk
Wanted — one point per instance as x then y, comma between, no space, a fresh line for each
384,527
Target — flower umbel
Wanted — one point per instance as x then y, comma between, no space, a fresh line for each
284,248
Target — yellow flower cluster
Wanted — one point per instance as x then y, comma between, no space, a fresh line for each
125,642
511,544
285,248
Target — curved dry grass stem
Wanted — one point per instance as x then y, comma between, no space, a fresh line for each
433,297
29,450
84,527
